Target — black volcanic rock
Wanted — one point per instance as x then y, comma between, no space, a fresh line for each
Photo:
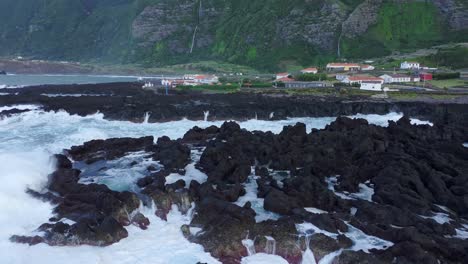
388,182
108,149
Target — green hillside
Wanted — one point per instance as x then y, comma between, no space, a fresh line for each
264,34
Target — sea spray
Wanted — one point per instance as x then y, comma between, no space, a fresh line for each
249,245
206,114
27,141
270,247
308,256
146,118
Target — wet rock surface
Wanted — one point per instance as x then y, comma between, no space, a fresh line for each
365,193
129,102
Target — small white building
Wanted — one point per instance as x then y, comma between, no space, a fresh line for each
410,65
310,70
282,75
371,86
366,67
361,79
396,78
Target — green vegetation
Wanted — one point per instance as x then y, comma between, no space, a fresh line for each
401,26
446,75
220,88
310,77
454,58
449,83
242,32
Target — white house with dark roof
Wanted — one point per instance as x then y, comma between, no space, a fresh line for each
410,65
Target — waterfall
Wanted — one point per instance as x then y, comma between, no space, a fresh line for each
193,38
256,117
307,255
146,118
272,114
338,52
270,247
196,27
249,245
206,114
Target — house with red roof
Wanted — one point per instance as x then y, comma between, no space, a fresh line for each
282,75
285,79
343,67
310,70
362,78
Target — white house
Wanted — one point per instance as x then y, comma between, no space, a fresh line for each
282,75
396,78
361,79
343,67
366,67
410,65
311,70
371,86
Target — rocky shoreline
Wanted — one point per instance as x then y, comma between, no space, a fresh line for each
365,193
128,101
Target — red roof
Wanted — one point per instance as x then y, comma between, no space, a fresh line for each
285,79
343,65
283,73
364,78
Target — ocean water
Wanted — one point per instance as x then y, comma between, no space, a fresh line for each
13,80
28,140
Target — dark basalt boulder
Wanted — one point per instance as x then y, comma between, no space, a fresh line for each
108,149
172,155
389,182
14,111
200,136
3,73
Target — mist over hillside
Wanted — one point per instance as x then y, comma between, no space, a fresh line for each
262,34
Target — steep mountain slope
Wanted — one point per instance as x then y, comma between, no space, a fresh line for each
262,34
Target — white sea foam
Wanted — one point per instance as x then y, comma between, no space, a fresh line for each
257,203
19,107
262,258
191,173
315,210
119,174
71,95
440,218
27,141
361,240
365,192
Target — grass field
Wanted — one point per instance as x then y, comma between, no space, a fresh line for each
449,83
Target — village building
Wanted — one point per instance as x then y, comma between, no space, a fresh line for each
371,86
359,79
282,75
341,76
410,65
425,76
311,70
365,67
297,84
343,67
396,78
285,79
206,79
